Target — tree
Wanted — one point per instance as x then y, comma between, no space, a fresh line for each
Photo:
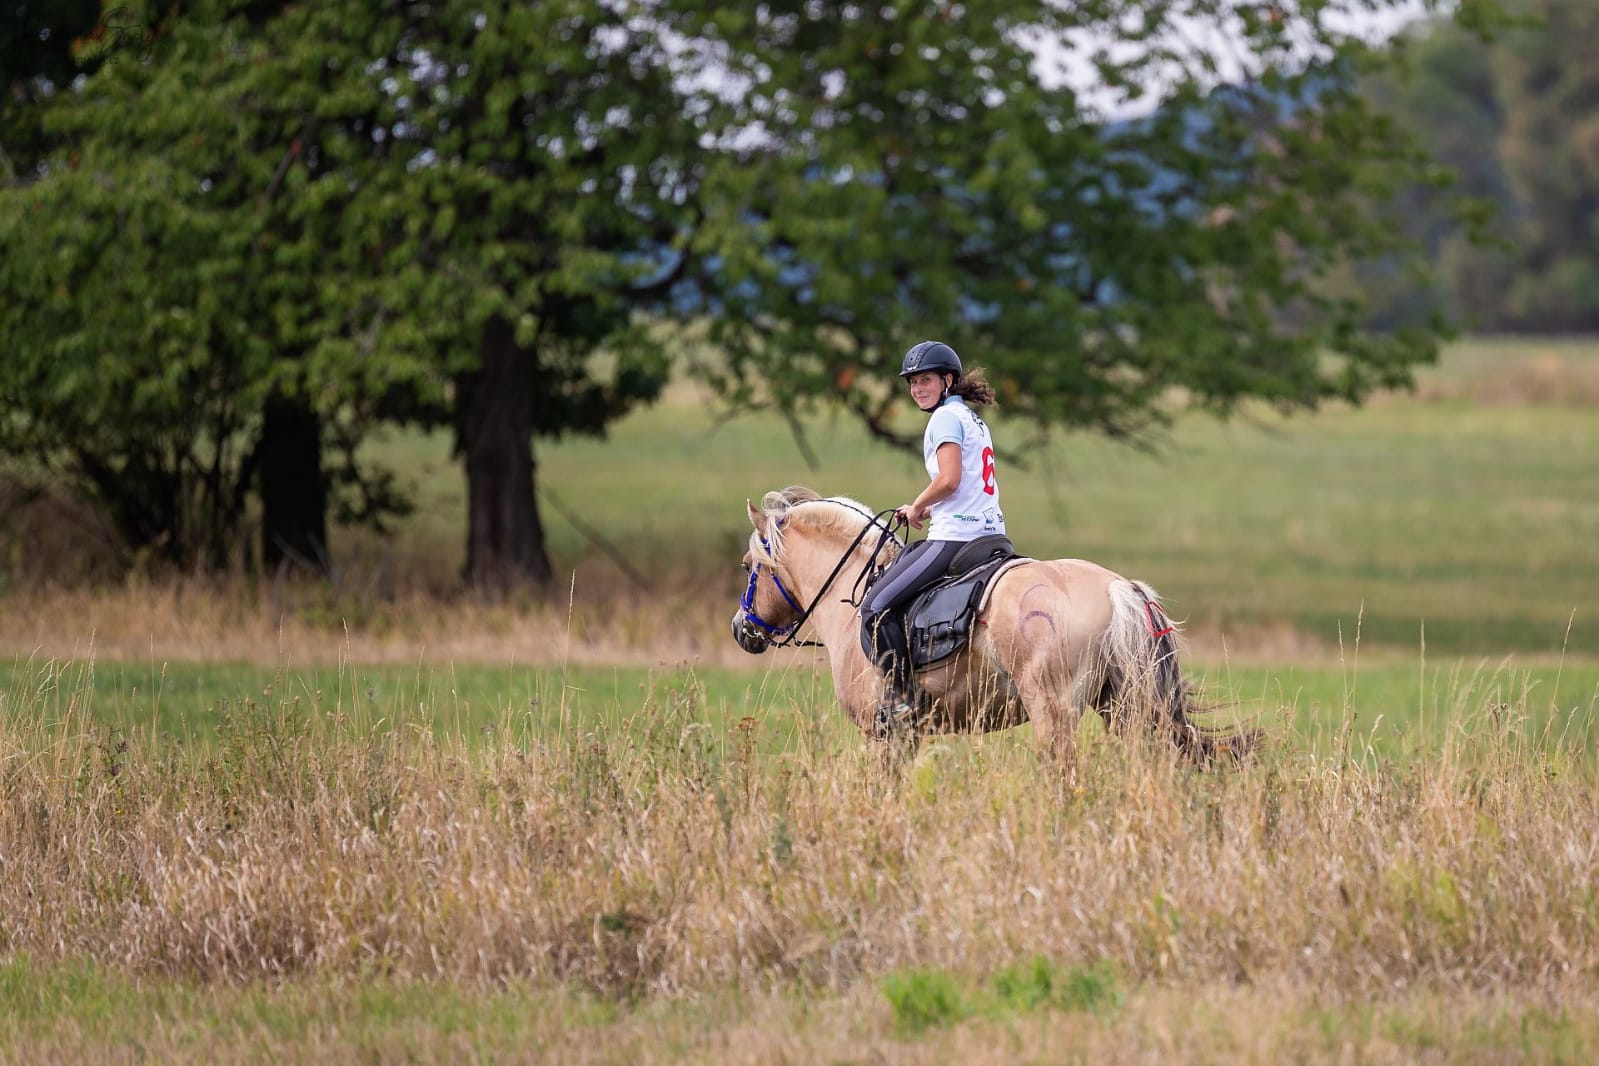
156,355
824,182
541,189
1514,122
1549,147
1445,95
479,215
36,61
109,378
917,176
384,213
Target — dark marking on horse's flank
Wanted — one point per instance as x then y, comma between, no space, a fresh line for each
1024,616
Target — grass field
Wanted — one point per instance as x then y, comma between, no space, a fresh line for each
660,881
256,822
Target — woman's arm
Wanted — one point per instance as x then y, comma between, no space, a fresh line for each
942,487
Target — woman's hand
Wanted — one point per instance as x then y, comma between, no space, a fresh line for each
942,487
911,514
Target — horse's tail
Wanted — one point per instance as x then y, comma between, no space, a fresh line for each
1142,675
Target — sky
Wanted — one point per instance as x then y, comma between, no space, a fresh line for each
1068,62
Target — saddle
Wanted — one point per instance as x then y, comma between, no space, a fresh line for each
939,620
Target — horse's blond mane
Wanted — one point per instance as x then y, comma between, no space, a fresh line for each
784,507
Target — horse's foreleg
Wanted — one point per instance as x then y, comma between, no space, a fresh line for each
896,751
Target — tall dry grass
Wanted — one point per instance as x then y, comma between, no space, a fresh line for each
595,617
665,859
592,617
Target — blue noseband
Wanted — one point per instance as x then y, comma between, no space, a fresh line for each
746,602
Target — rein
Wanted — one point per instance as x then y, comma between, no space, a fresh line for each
785,636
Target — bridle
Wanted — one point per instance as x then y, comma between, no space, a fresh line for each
787,636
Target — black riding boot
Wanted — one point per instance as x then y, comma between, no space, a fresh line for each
891,651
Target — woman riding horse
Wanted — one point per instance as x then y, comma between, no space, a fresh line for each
960,503
1053,636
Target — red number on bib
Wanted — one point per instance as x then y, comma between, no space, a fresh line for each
988,472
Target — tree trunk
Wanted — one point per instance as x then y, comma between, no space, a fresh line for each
504,537
294,487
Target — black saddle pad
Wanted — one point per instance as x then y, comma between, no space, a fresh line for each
939,621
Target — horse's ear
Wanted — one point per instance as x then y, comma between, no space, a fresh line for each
757,519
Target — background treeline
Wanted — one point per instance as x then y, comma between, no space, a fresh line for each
1516,117
238,238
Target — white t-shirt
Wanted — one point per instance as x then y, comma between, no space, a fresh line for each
973,511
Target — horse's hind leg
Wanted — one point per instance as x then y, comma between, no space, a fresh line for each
1054,696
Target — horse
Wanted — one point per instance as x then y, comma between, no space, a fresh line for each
1054,637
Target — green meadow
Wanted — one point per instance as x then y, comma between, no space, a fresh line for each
1392,703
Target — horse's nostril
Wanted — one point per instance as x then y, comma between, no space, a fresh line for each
748,637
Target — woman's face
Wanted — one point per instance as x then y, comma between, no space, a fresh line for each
926,387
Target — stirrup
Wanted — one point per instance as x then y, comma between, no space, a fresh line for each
895,716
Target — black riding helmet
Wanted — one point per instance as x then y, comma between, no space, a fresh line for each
932,355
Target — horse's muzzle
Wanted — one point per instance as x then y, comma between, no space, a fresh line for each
750,638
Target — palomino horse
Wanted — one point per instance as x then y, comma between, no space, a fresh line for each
1054,637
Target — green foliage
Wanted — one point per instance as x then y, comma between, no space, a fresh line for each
332,203
1092,988
923,998
529,169
36,60
110,375
178,289
1550,150
1444,94
917,176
